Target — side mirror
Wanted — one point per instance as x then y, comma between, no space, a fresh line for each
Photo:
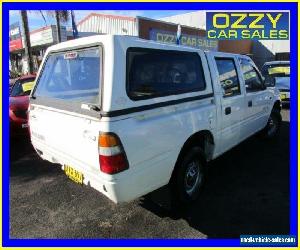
269,82
253,86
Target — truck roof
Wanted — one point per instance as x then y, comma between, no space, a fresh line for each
105,38
276,62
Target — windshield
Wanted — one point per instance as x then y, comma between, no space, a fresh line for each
276,70
22,87
71,76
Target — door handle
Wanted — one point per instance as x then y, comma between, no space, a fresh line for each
227,110
249,103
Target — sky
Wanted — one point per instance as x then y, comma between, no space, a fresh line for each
36,20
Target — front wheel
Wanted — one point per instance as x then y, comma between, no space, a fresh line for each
273,126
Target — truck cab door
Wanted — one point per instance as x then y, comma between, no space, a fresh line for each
230,96
258,98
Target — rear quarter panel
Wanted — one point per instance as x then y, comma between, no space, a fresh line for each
153,139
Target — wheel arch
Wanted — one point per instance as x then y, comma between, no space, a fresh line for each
204,139
277,105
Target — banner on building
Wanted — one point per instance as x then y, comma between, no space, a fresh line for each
15,44
14,31
269,25
186,40
15,38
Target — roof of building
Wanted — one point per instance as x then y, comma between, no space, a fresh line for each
128,18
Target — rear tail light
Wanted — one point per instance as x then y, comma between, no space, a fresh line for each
112,158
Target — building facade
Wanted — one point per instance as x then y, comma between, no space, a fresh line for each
108,24
261,51
193,34
145,28
163,30
40,40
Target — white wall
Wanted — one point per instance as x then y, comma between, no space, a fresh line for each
108,25
276,46
196,19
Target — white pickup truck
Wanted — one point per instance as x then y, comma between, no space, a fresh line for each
127,116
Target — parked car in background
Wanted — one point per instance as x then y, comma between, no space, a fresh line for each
278,72
13,76
18,104
146,114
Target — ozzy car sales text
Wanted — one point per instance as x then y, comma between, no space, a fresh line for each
252,26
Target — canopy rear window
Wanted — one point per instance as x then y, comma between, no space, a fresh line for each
276,70
72,76
279,70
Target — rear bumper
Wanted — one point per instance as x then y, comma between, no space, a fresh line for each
122,187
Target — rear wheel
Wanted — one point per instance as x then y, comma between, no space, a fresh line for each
189,176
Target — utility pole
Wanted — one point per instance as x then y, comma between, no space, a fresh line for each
58,26
26,36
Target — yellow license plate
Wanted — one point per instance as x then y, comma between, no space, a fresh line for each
282,96
73,174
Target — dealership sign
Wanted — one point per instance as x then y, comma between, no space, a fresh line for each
247,25
47,35
43,36
186,40
14,31
15,39
15,44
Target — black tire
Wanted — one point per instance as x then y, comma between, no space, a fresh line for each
273,126
185,187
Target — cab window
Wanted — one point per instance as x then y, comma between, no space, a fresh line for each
253,80
228,77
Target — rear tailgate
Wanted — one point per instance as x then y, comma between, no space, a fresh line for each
63,116
69,134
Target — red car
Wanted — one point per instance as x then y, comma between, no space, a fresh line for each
18,104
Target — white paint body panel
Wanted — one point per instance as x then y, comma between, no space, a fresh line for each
152,139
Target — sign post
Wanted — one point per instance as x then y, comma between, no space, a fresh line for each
178,37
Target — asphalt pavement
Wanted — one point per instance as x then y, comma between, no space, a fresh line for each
247,192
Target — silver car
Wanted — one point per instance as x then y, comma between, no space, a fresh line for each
278,72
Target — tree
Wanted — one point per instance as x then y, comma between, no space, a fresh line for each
60,15
27,45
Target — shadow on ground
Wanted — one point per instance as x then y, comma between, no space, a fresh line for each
247,191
